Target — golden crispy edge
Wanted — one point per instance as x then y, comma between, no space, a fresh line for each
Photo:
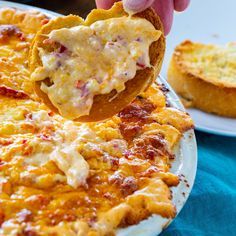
102,108
181,63
132,210
201,94
22,18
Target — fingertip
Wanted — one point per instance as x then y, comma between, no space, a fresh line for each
165,10
181,5
137,5
105,4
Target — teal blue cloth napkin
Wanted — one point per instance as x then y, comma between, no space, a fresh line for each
211,207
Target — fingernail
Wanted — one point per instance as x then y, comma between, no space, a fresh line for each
137,5
106,4
181,5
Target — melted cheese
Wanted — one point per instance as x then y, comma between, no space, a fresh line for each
37,159
67,157
62,151
11,228
63,148
96,59
72,164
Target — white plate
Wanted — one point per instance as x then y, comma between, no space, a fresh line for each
214,124
185,164
206,21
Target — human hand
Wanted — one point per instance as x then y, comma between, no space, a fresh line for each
164,8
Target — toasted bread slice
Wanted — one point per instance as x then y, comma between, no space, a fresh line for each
205,76
106,105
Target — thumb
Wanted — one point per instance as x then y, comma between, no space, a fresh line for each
137,5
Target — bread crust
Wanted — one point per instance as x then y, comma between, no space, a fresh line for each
107,105
198,91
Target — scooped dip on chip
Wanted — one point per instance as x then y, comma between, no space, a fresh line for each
77,63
